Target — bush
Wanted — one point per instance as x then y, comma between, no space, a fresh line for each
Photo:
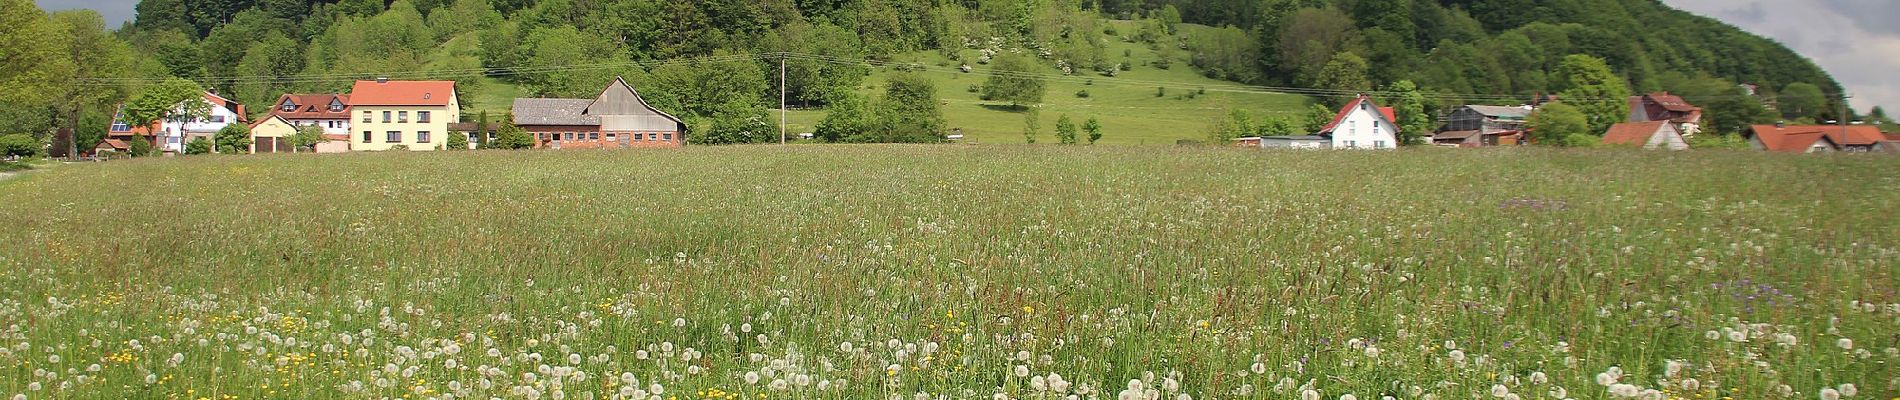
1163,63
139,147
1082,94
18,145
1161,91
976,89
198,145
1582,140
457,141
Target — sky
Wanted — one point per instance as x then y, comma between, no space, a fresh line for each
1856,40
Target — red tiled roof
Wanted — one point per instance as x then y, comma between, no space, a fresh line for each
1852,135
115,144
311,106
402,93
1672,102
1893,136
1632,133
1386,112
1798,138
339,137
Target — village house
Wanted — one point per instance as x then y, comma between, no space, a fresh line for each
1815,138
1481,125
1649,135
329,111
413,115
171,136
1663,106
1361,124
618,118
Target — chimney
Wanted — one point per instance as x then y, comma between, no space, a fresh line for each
382,79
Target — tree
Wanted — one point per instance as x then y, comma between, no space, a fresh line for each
31,64
91,130
1408,105
18,145
847,118
140,147
1032,124
1802,99
1317,117
1094,128
307,138
1311,39
1065,130
274,56
1236,124
735,123
1345,73
198,145
910,111
1555,123
1014,79
457,141
511,137
481,130
90,52
234,139
1594,90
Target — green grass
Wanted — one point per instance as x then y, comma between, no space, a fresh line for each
304,276
1130,112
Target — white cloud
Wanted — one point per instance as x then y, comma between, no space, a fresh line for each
1851,39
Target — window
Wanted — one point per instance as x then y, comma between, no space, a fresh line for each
366,115
386,115
1378,144
491,135
1375,126
569,136
669,137
402,117
393,137
365,136
1351,144
422,137
593,136
1355,127
336,106
611,136
422,117
120,126
639,137
217,119
1365,106
289,106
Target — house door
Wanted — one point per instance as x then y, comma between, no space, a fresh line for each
265,145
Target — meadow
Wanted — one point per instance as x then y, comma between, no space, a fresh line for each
954,272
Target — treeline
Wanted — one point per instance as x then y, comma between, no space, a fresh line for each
253,50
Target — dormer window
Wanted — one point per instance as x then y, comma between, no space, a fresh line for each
290,106
336,106
1364,106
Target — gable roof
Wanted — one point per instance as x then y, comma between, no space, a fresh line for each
605,104
1671,102
553,112
114,144
1852,135
1385,112
1790,139
311,106
267,120
402,93
1634,133
1501,111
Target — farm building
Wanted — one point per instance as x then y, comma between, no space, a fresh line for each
1649,135
1487,120
1669,108
1812,138
618,118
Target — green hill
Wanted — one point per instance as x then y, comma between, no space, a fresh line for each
689,56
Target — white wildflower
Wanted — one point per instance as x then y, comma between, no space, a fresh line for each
1309,394
1499,391
1845,343
1848,390
1830,394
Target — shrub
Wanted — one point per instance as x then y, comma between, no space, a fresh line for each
18,145
1163,63
1161,91
1082,94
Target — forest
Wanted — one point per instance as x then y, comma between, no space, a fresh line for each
703,57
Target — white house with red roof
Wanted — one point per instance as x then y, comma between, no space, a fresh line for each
171,136
328,111
1663,106
1362,124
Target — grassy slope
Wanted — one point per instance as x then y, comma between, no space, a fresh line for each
1130,113
1628,257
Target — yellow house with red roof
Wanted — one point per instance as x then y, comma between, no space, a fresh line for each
413,115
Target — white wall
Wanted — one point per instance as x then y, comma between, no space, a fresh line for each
1364,128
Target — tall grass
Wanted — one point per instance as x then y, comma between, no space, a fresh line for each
953,272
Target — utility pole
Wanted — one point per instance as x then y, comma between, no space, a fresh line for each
781,98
